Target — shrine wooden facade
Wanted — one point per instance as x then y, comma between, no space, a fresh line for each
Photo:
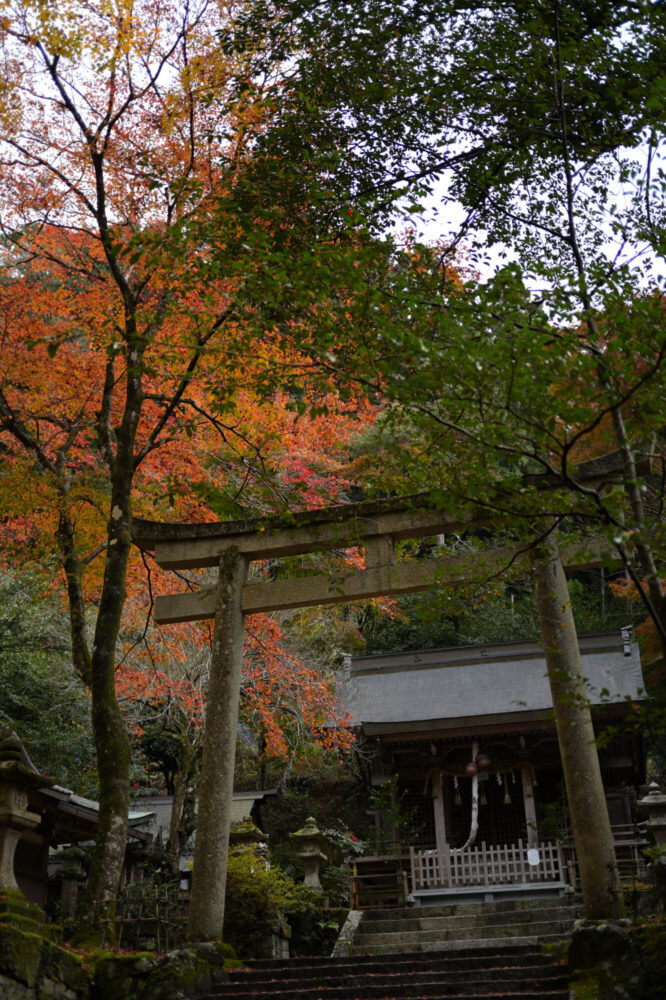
423,716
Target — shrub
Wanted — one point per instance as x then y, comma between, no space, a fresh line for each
259,899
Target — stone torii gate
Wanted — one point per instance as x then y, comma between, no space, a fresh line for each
233,545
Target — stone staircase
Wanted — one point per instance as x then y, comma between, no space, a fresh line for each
509,972
519,921
465,951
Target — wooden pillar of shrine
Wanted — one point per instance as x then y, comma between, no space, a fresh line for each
527,776
439,808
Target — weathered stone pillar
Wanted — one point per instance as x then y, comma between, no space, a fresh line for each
211,849
597,865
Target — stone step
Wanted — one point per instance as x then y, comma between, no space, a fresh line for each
500,950
478,973
422,920
520,960
387,993
514,978
477,945
482,987
541,981
410,939
491,906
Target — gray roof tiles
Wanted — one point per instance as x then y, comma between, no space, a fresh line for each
494,683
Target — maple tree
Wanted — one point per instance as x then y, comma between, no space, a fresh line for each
99,146
124,331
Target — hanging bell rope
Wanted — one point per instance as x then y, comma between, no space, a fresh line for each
474,824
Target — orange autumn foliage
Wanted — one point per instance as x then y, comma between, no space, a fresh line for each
266,457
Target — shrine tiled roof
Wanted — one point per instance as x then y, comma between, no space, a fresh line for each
489,685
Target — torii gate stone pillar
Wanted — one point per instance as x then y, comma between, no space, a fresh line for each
211,849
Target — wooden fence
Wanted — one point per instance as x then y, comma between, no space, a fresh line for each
150,916
506,864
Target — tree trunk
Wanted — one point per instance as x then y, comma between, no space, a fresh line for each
597,865
216,786
181,822
112,742
113,760
174,846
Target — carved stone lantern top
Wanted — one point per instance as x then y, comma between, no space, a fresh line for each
654,803
246,832
655,800
18,775
310,839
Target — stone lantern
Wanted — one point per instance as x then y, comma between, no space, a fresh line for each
310,840
17,779
654,803
246,834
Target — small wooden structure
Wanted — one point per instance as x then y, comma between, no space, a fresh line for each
426,716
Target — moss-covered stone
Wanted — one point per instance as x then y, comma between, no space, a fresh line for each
585,988
20,954
181,975
14,907
61,974
649,938
604,962
119,977
34,968
11,990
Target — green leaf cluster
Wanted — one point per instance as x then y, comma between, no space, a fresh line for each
259,897
41,697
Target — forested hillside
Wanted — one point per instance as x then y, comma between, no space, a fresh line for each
258,259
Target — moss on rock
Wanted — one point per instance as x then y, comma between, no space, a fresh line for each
61,974
604,961
11,990
34,968
118,977
20,954
585,988
650,940
181,975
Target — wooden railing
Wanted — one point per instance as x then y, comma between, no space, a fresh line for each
482,865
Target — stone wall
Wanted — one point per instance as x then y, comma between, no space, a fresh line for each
618,961
34,968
